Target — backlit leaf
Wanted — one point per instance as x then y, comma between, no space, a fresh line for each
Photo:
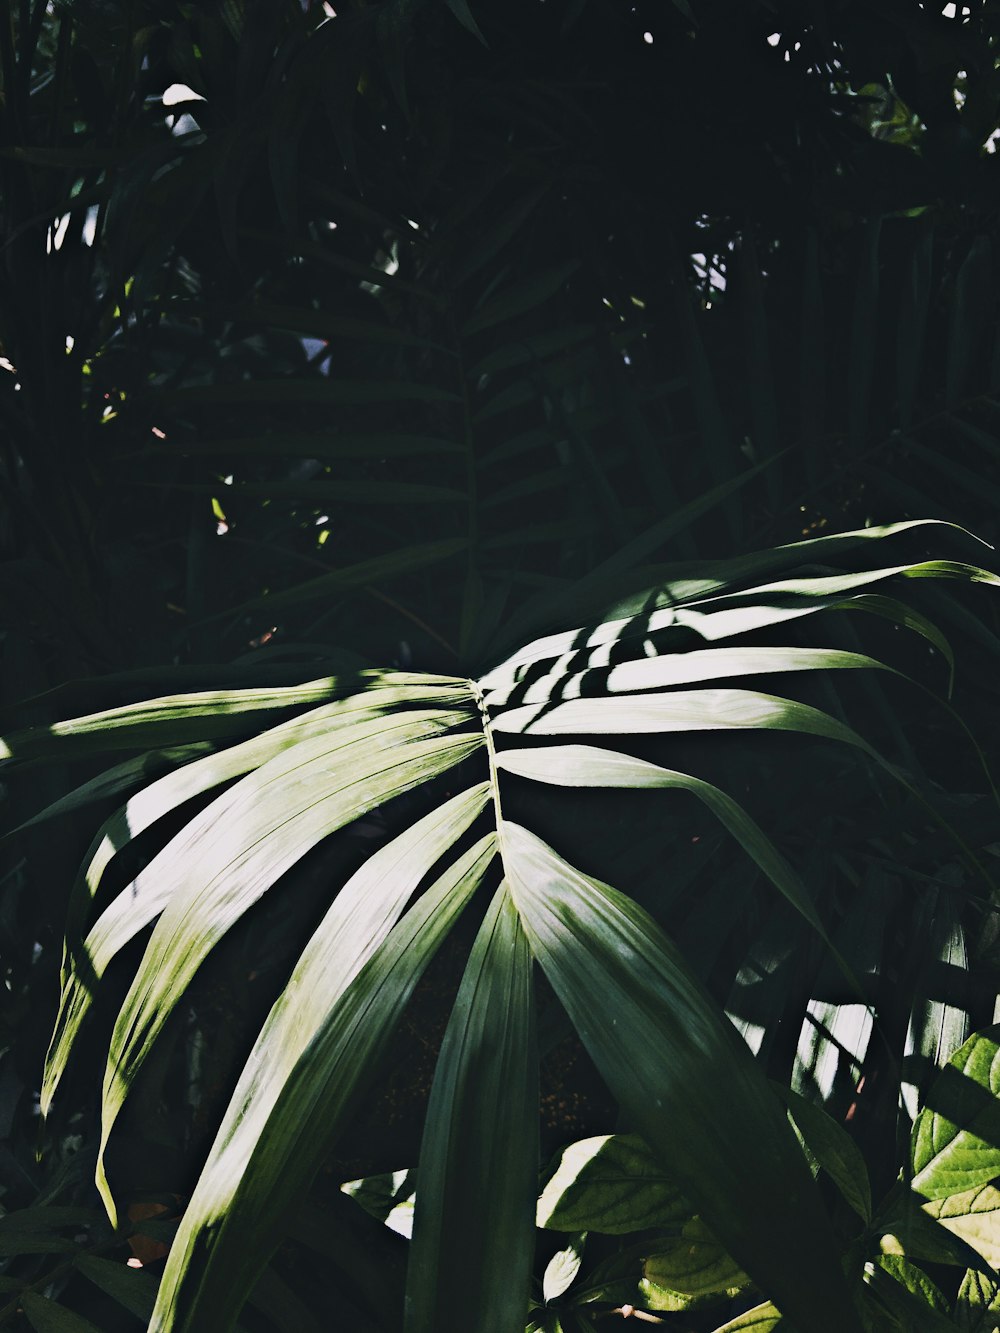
611,1184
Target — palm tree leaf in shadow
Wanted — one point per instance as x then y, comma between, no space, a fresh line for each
661,1046
481,1144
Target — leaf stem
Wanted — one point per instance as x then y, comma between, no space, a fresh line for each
491,753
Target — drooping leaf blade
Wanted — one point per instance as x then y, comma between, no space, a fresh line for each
313,1060
290,805
142,900
480,1144
589,766
683,1077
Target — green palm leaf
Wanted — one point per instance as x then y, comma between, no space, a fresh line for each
292,809
480,1147
684,1078
146,897
315,1056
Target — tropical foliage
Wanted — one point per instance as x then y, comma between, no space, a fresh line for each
456,340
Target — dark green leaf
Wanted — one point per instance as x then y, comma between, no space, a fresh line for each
47,1316
833,1149
473,1239
134,1290
683,1077
611,1184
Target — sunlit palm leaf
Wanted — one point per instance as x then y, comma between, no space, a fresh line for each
315,1056
145,898
679,1069
285,808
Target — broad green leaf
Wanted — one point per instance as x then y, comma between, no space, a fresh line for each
914,1280
833,1149
683,1077
171,791
134,1290
563,1267
277,815
904,1227
761,1319
473,1239
315,1057
827,585
145,898
907,1294
611,1184
974,1217
692,1264
955,1144
47,1316
977,1309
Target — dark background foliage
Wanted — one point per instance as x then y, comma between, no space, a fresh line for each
400,320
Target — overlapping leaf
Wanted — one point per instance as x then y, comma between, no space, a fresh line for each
285,808
315,1055
662,1049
